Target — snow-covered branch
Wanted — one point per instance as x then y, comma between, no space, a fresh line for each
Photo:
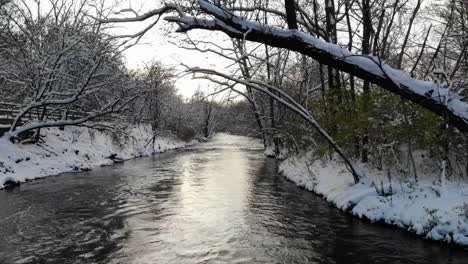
110,108
424,93
315,28
284,99
156,12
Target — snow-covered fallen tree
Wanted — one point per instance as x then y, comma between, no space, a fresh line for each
429,95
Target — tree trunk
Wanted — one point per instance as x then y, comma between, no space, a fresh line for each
366,39
367,68
291,14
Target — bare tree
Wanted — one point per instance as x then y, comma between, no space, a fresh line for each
61,64
366,67
287,101
383,31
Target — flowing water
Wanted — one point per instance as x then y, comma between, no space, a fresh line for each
218,202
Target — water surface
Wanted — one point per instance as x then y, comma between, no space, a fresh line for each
219,202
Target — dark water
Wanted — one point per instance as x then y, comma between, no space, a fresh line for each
221,202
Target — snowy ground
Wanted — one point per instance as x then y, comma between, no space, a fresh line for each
426,208
76,149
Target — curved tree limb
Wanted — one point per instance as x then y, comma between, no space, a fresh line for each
427,94
283,98
110,108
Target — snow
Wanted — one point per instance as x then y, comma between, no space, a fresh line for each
434,211
453,101
75,149
269,151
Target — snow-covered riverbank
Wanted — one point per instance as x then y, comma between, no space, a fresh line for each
75,149
428,209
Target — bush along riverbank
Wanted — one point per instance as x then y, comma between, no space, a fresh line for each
77,149
430,207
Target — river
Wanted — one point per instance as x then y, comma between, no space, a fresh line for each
217,202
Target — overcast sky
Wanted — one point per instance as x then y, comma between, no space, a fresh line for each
156,45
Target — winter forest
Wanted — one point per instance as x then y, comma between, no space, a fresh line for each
361,102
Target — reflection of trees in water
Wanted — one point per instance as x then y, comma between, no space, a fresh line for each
81,221
379,243
97,241
138,190
287,219
73,230
59,219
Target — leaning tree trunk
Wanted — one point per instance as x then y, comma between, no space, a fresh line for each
368,68
286,100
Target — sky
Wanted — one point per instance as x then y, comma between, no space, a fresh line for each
158,48
158,44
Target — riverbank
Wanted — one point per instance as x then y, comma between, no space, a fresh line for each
432,210
77,149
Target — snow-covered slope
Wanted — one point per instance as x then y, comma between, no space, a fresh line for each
74,149
434,211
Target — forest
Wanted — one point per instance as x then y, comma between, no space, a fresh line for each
374,91
75,74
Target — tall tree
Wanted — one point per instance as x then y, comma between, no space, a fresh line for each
291,14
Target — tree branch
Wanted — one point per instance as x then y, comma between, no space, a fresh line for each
367,68
283,98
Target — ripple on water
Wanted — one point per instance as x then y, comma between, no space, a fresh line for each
220,202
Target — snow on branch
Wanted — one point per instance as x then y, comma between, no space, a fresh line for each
113,107
429,95
286,100
43,101
156,12
308,24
